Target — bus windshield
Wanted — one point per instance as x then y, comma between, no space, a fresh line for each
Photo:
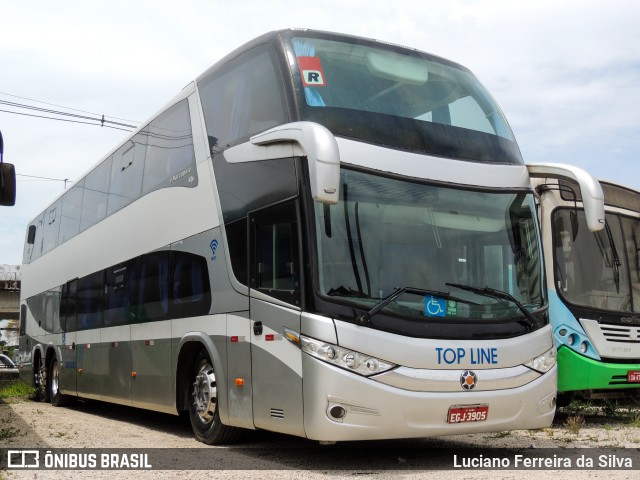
374,90
386,234
596,270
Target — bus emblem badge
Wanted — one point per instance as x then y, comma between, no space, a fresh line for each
468,380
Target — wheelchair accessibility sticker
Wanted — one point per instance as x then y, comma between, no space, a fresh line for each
439,307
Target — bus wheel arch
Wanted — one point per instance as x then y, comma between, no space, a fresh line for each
184,367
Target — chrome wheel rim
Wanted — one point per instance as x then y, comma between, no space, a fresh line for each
41,378
55,377
205,393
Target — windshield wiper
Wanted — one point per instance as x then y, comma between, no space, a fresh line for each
615,261
364,318
493,293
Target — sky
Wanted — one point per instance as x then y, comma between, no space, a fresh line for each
566,73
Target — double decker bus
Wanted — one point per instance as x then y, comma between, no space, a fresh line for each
323,235
594,289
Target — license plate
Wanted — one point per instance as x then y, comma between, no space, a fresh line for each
633,376
468,413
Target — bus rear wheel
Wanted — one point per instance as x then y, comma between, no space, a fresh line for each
40,381
203,405
57,398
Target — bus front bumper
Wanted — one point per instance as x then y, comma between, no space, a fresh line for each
342,406
578,373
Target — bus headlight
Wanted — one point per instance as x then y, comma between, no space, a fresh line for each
356,362
543,363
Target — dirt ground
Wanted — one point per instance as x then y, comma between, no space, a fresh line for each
31,425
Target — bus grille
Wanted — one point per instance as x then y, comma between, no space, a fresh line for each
620,334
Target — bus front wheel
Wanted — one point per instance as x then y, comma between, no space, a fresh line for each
203,405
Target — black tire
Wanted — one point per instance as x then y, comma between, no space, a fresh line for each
40,381
57,398
203,405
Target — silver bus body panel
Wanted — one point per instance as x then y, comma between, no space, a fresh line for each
88,349
276,369
444,354
432,168
152,386
117,365
318,327
237,364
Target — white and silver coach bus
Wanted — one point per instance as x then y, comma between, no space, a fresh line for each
323,235
594,289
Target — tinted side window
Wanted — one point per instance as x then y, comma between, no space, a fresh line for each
51,227
191,290
52,308
36,308
242,99
70,214
237,241
96,194
32,250
276,251
68,306
90,290
275,263
170,156
153,287
120,307
126,173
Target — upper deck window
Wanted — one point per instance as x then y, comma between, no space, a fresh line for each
400,98
241,99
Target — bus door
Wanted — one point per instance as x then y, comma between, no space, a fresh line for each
274,256
68,312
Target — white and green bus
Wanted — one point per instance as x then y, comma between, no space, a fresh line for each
322,235
594,288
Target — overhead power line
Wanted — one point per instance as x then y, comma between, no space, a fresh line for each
65,180
93,119
65,120
66,108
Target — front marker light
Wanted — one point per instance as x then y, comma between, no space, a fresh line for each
356,362
545,362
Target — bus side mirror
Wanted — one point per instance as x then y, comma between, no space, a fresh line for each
590,189
7,185
7,180
297,139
